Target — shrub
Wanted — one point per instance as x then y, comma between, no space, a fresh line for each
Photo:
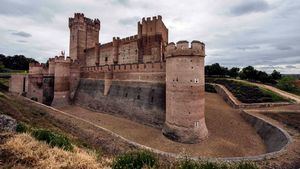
53,139
22,128
136,160
210,88
246,165
287,83
188,164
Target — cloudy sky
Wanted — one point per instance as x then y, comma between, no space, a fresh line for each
262,33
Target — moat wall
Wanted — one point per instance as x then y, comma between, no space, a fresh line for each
143,102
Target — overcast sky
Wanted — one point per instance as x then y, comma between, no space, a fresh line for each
262,33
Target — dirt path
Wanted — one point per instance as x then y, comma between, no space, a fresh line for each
229,134
278,91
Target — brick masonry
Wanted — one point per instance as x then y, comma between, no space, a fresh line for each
140,77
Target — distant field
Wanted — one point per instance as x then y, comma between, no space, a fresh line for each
248,93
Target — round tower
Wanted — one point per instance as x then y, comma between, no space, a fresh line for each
185,120
61,81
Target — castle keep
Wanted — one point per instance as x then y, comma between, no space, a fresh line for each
142,77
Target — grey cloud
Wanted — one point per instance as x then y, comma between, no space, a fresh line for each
129,21
248,48
35,9
121,2
284,47
22,41
22,34
290,67
247,7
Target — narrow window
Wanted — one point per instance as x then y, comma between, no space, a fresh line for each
197,124
106,59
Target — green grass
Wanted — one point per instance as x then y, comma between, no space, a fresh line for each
192,164
52,138
275,97
135,159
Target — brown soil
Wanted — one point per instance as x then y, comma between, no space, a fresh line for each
229,134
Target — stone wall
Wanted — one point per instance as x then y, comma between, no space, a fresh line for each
35,87
18,83
138,101
48,89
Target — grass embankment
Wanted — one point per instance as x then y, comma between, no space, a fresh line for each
248,93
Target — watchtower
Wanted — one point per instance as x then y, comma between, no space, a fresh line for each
61,81
153,37
84,33
185,120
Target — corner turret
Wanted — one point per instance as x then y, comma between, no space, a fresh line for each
185,120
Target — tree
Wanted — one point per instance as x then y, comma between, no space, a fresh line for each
16,62
215,70
1,66
234,72
287,83
248,73
262,77
275,75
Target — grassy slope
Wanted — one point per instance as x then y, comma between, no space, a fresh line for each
22,150
238,92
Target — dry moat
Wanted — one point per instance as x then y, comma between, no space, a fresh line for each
229,134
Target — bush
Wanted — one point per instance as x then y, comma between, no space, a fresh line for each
287,83
210,88
136,160
53,139
22,128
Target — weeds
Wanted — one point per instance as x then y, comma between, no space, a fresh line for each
53,139
135,159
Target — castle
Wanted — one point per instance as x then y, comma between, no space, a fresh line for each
142,77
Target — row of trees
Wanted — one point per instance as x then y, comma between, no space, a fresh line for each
247,73
16,62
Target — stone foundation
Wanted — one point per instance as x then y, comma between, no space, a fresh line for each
138,101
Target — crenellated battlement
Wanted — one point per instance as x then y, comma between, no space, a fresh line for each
62,59
37,64
144,67
149,19
130,38
182,49
80,19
